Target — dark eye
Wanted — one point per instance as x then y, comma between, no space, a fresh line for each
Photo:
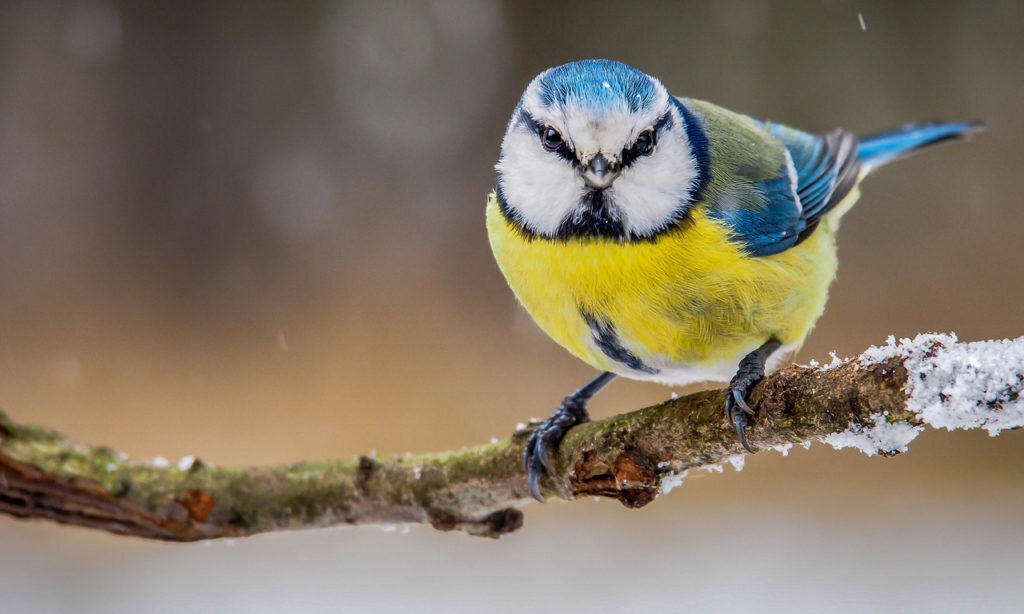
551,139
644,143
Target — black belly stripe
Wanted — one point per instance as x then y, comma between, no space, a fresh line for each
608,341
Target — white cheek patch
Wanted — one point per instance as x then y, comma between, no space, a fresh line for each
538,185
651,191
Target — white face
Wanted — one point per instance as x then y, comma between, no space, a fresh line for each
640,194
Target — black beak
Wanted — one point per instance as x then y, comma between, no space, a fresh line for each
598,165
600,173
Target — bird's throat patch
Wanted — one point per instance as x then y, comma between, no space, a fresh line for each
597,216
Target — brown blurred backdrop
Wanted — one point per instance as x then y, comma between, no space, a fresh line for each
253,232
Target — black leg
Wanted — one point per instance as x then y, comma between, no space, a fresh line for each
546,437
750,372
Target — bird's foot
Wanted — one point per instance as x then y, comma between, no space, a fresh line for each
749,373
736,410
546,437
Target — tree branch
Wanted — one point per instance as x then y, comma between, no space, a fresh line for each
877,402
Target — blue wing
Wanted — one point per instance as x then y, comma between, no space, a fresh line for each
764,216
827,168
778,213
773,215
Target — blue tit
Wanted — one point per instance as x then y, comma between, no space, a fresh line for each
668,239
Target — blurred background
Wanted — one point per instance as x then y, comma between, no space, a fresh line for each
253,232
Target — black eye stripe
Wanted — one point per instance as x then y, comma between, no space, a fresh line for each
564,151
527,120
630,154
664,123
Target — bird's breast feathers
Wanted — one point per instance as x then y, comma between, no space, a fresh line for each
684,307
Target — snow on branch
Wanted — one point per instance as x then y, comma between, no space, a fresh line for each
950,385
877,402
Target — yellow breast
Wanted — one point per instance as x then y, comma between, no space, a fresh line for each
689,299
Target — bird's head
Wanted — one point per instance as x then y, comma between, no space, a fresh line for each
597,148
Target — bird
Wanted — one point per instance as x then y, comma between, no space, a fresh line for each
669,239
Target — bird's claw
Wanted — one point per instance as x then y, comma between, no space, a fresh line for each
737,409
739,401
545,439
740,421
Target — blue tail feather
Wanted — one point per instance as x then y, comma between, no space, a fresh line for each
878,149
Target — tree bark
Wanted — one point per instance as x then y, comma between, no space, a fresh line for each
478,489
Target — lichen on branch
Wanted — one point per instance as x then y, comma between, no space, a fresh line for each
877,402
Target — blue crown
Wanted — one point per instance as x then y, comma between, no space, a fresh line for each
598,84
